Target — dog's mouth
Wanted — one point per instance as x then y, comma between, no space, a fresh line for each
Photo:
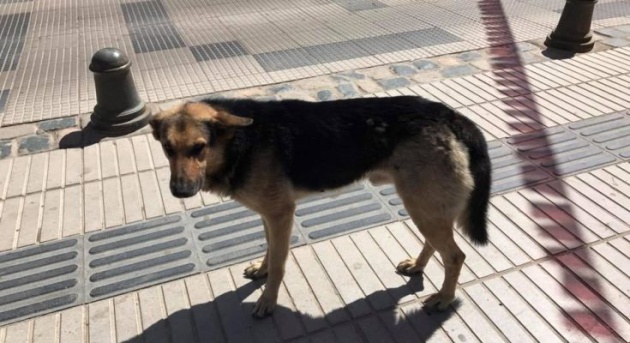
185,188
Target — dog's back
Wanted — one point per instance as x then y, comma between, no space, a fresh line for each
329,144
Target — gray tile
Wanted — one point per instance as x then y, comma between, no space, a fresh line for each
219,50
150,27
228,233
560,151
359,5
429,37
4,96
610,132
13,28
155,37
332,52
41,279
350,209
285,59
511,171
144,13
384,44
133,256
324,53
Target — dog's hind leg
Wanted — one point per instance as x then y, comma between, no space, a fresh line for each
438,233
279,236
433,207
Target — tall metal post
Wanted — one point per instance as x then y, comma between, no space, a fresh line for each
573,32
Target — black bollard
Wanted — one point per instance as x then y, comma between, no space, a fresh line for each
573,32
118,109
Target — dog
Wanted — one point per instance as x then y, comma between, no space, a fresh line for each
268,154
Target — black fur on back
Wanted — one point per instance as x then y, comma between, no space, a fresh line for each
326,145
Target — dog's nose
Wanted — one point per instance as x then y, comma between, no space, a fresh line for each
182,188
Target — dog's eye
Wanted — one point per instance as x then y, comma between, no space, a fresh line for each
197,149
169,150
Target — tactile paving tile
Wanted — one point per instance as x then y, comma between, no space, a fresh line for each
610,132
121,260
388,195
41,279
511,171
228,233
350,209
219,50
13,29
560,151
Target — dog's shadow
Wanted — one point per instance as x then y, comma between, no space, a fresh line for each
228,318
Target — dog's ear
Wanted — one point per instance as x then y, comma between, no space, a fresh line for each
227,119
156,125
204,112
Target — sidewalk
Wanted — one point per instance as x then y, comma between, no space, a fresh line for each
94,248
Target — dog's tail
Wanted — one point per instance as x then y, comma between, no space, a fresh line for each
473,219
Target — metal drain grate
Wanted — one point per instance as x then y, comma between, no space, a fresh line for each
610,132
351,209
229,233
41,279
560,151
121,260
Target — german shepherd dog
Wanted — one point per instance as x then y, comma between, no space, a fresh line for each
266,155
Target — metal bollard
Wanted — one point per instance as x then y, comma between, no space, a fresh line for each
573,32
118,109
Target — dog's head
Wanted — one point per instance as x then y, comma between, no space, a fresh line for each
193,137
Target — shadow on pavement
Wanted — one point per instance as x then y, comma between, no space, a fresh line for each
525,112
227,318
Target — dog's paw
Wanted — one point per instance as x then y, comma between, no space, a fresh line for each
264,306
254,271
438,301
409,267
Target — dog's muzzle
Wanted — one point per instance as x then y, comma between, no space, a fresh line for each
183,188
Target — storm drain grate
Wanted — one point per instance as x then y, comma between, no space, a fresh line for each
229,232
138,255
41,279
560,151
610,132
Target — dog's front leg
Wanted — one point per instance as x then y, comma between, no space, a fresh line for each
278,239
